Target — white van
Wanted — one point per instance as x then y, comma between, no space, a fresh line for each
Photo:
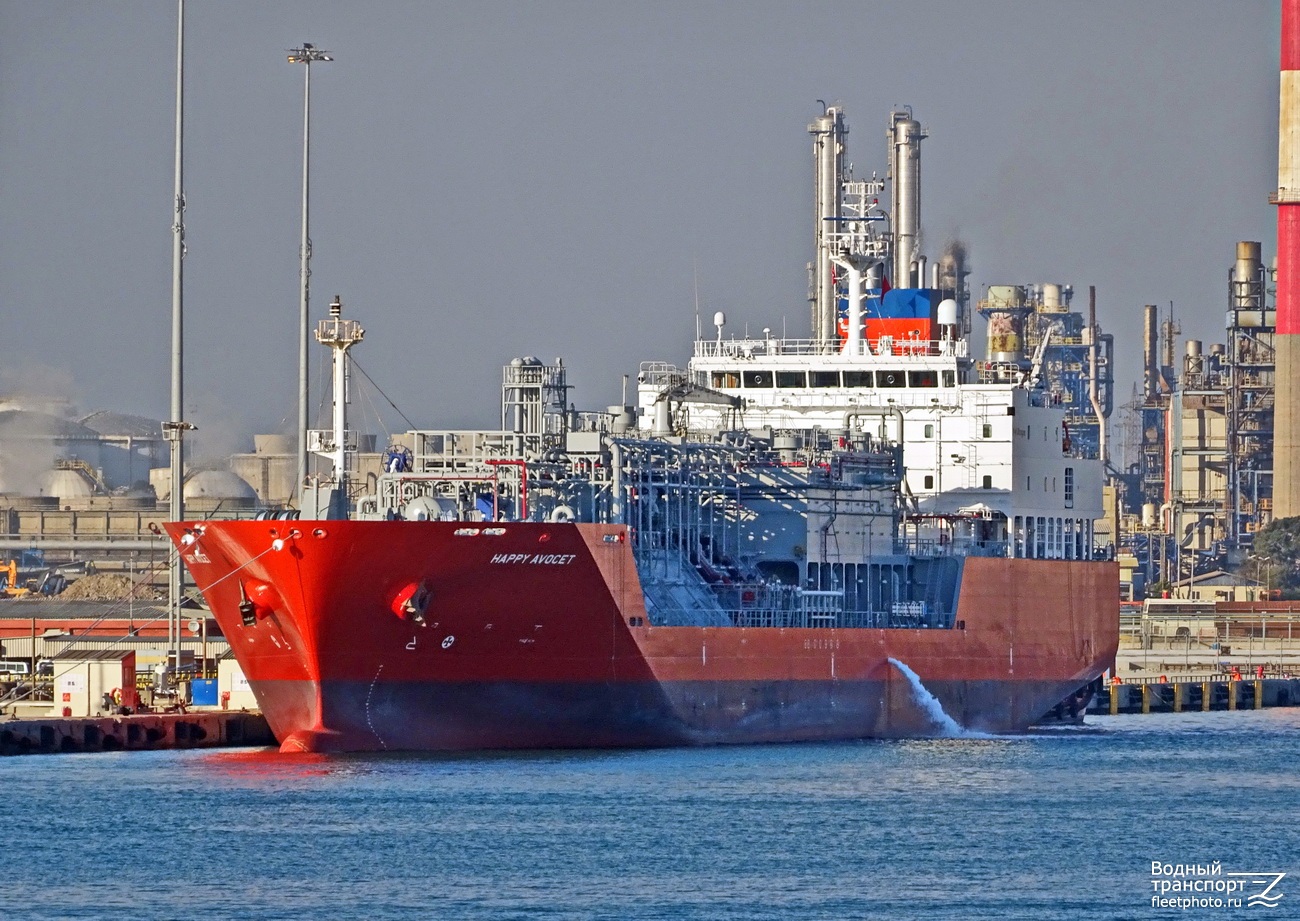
14,668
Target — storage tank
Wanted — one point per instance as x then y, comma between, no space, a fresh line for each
65,485
1005,310
213,490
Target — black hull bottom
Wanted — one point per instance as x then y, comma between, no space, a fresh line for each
438,716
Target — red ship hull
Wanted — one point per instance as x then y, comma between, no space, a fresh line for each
536,636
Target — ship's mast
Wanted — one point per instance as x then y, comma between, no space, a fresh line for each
339,335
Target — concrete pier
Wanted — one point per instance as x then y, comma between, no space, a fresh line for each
142,732
1223,692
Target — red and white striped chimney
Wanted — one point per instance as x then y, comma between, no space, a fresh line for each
1286,411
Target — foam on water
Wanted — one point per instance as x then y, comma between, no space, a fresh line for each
930,704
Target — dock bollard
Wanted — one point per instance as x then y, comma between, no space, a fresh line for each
1146,698
1206,695
1178,697
1233,688
1259,694
1114,699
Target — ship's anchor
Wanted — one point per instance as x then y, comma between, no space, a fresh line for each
412,602
247,610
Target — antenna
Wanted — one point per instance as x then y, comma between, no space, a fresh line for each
696,262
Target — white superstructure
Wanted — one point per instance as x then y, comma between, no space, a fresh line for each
987,455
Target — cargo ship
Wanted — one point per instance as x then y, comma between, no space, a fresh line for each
864,533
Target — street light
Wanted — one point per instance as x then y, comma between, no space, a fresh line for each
1268,575
307,55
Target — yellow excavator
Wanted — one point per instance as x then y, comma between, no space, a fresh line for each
9,587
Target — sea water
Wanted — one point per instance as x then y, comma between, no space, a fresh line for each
1062,824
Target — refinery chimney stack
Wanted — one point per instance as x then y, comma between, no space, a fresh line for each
1286,450
828,131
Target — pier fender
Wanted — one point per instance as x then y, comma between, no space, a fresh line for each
411,602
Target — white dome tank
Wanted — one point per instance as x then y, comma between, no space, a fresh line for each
65,485
217,484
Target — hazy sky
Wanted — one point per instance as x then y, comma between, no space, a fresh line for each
501,179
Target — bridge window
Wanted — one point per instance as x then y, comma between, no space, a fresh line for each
823,378
857,378
891,379
923,378
950,378
757,378
791,379
726,380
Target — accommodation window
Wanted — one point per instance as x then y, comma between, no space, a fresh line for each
988,481
891,379
923,378
1069,487
791,379
857,378
950,378
929,481
726,379
929,430
757,378
988,430
823,378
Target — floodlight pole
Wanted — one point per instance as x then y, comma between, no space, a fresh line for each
175,428
307,55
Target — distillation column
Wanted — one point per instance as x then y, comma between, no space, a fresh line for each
828,133
905,170
1286,439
